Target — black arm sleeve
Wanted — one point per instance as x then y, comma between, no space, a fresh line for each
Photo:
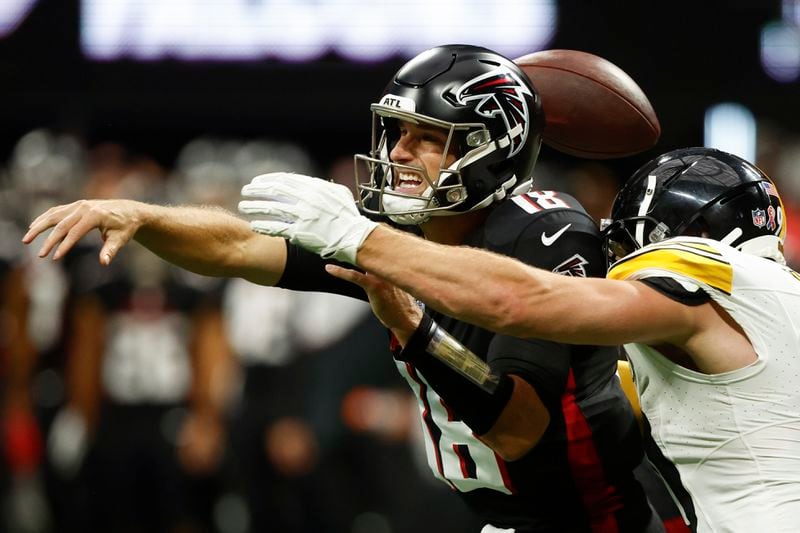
305,271
543,364
476,407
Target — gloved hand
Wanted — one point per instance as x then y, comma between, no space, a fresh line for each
317,215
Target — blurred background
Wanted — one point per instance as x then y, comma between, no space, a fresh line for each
142,398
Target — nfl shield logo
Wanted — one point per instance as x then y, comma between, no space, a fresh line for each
759,218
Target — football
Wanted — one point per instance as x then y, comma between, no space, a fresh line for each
592,108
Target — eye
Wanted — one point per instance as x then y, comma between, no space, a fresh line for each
433,137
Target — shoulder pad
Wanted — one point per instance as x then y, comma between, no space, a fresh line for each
682,259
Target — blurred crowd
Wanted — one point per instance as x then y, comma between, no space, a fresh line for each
142,398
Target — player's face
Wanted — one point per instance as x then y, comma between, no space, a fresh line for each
423,146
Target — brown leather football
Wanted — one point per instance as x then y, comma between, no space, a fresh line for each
592,108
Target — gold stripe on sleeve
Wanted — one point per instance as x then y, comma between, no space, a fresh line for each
714,272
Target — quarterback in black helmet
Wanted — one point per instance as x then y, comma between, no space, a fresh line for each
699,296
456,135
535,435
486,112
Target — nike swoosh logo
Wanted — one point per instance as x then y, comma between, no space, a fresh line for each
549,240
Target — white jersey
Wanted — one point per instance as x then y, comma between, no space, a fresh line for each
734,437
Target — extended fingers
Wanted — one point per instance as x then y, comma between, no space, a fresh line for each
268,210
47,220
62,223
289,187
348,274
276,193
277,186
75,228
70,224
109,250
273,228
285,179
273,177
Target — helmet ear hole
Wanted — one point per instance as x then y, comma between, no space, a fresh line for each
460,145
502,169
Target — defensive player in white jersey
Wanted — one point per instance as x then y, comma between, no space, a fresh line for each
699,295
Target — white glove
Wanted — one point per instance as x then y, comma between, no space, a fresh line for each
317,215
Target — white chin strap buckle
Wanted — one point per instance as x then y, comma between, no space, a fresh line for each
407,211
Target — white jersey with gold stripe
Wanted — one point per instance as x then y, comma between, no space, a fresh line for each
734,438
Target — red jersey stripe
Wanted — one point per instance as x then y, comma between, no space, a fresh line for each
599,497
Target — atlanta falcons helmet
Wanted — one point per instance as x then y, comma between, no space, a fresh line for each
493,118
700,192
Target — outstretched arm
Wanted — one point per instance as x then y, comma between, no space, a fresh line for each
505,295
206,240
494,291
490,290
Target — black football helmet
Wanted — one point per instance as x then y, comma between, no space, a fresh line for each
701,192
493,117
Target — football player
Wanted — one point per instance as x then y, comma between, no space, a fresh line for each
535,435
698,292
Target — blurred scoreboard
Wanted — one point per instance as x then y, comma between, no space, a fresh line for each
305,30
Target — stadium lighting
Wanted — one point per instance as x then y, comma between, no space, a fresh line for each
731,127
304,30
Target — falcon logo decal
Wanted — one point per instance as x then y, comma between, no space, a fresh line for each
500,93
575,266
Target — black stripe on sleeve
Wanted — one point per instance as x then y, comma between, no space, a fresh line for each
675,291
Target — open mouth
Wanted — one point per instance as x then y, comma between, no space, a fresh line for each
409,183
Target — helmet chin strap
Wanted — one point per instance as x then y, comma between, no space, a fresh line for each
397,204
732,236
405,210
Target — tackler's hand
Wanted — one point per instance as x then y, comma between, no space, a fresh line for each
394,307
317,215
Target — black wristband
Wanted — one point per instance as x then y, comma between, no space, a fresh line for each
475,406
418,342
